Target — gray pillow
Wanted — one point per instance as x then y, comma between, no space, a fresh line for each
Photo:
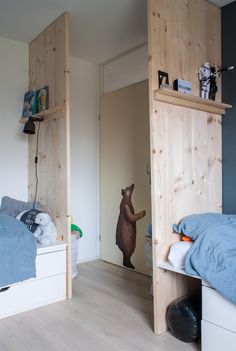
12,207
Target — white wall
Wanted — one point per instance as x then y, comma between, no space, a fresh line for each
85,155
126,70
13,143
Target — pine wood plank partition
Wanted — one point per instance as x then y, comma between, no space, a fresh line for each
49,65
185,142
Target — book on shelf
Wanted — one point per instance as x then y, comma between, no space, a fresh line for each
42,99
30,104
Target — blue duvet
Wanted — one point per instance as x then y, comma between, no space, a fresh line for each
213,253
17,251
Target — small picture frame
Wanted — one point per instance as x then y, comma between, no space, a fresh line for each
30,104
163,79
42,99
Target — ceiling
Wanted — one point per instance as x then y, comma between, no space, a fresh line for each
100,29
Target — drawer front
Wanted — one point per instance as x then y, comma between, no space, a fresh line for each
50,264
35,293
217,310
217,339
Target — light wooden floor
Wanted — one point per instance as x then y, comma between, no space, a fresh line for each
111,311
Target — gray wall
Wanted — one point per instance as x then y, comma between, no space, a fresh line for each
229,96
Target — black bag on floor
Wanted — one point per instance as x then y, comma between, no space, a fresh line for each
184,318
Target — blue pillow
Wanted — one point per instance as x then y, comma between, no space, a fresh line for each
12,207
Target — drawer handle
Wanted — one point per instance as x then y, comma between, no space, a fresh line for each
4,289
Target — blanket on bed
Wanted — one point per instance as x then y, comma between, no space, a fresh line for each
213,253
17,251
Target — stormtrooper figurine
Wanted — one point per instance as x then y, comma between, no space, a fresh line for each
204,75
207,76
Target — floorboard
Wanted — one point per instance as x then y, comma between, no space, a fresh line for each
111,310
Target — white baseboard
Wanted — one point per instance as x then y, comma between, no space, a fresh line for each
88,259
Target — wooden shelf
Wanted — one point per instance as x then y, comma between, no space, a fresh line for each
52,113
190,101
169,267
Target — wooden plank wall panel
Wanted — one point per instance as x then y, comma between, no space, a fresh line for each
52,172
47,61
197,40
213,40
61,61
178,40
184,35
214,163
213,36
181,167
49,65
169,38
184,141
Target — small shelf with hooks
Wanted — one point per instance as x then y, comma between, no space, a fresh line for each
52,113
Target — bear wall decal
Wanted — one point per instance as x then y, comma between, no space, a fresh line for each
126,226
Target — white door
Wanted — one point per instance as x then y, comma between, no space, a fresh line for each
124,160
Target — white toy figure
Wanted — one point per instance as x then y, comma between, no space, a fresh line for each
46,232
204,75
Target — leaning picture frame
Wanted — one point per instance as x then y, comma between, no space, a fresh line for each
29,104
42,99
163,79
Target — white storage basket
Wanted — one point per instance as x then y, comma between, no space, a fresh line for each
74,255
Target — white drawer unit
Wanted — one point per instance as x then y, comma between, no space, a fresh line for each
215,338
217,310
49,285
49,264
26,296
218,321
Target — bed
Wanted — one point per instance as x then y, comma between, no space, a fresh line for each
31,275
213,253
17,252
212,257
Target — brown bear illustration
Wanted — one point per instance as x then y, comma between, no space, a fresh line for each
126,226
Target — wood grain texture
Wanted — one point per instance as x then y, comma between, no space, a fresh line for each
47,61
49,65
197,40
111,309
213,40
214,163
185,142
183,34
